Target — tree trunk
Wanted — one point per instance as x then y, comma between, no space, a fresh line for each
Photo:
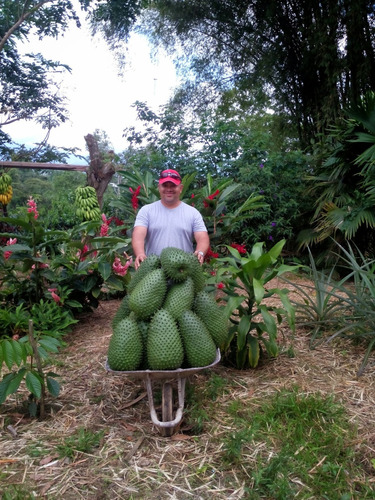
100,171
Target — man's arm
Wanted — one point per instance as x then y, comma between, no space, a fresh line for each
138,244
203,244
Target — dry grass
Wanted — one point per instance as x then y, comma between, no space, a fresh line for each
133,460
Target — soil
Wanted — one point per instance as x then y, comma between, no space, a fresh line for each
132,459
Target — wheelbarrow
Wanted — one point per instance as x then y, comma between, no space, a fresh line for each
170,420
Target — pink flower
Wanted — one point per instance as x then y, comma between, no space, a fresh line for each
54,295
82,253
11,241
119,268
104,229
40,266
104,219
32,208
220,285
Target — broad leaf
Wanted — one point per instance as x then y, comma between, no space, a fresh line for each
53,386
8,353
253,351
258,290
34,384
243,329
269,321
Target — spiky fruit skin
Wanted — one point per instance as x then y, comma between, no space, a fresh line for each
125,347
148,296
164,345
200,349
122,312
176,263
150,264
180,297
196,273
212,316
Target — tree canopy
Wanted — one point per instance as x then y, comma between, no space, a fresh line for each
309,58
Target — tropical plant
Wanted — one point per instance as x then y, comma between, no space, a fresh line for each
320,305
71,267
344,185
243,279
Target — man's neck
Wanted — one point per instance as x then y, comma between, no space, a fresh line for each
171,205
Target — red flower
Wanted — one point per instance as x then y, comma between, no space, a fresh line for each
210,255
240,248
212,196
220,285
135,194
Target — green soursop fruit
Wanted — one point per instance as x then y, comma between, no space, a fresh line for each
164,345
212,316
152,262
122,312
180,297
197,274
148,296
200,349
125,347
143,328
176,263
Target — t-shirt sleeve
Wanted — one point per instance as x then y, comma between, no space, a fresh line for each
198,224
142,217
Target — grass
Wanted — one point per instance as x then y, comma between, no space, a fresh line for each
295,444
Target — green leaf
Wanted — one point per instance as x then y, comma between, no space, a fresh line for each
233,303
14,383
50,344
53,386
269,321
241,358
73,303
243,330
34,384
19,352
276,249
8,353
4,384
258,290
271,346
89,283
253,351
105,270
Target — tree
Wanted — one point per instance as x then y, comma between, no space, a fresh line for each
28,91
309,57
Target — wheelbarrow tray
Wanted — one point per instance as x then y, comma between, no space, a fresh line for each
167,425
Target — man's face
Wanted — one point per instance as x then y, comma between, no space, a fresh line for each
170,193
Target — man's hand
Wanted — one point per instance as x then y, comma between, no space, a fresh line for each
200,256
140,258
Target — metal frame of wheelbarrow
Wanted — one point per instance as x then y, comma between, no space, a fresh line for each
168,424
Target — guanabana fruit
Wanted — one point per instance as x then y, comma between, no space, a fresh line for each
176,263
179,298
197,274
143,328
148,296
212,316
164,345
152,262
122,312
125,347
200,349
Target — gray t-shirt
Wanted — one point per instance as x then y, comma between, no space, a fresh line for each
169,227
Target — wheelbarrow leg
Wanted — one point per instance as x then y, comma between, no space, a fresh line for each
168,424
167,408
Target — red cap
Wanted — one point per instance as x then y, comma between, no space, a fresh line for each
170,176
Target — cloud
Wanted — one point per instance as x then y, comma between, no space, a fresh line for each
99,97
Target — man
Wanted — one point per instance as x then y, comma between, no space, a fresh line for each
169,222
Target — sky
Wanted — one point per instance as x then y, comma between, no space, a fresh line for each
99,97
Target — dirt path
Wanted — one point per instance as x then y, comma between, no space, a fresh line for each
132,460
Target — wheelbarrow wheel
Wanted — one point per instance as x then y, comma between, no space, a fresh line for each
167,408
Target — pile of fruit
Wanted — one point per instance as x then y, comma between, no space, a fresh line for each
167,320
6,190
87,203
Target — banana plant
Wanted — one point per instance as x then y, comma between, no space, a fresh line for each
254,321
